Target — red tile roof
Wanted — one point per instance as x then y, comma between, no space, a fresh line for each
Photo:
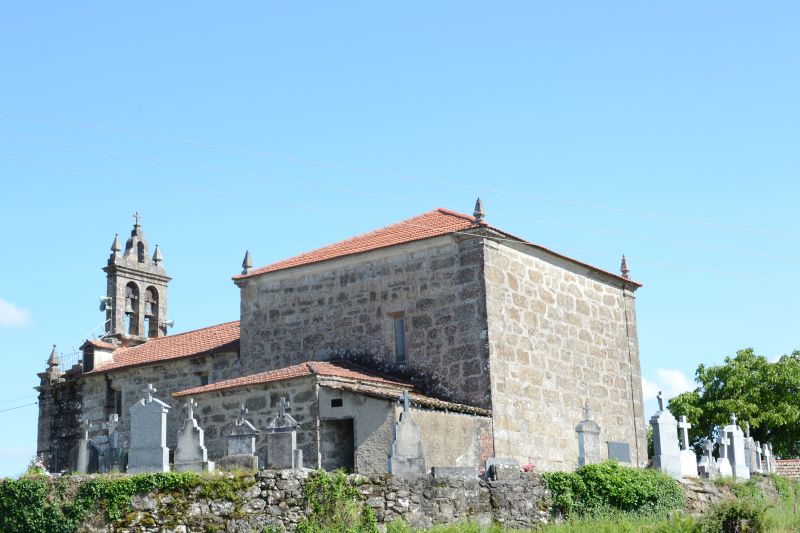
309,368
222,337
425,226
99,344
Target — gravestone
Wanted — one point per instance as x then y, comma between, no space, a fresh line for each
191,454
241,445
749,449
768,459
723,462
282,440
619,451
736,457
112,455
688,458
86,461
590,449
708,466
758,450
407,455
666,457
148,451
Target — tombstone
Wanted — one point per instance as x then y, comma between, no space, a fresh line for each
688,458
590,449
759,465
148,450
241,454
723,462
769,460
191,454
86,452
708,467
112,454
736,452
749,451
619,451
667,457
282,440
407,455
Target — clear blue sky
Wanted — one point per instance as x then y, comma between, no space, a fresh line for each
680,110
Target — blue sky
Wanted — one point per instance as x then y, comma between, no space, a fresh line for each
664,113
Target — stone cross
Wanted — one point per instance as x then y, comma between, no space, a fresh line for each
148,393
86,427
586,410
242,411
684,426
282,405
733,419
406,401
137,216
708,448
747,429
660,398
724,442
111,425
190,405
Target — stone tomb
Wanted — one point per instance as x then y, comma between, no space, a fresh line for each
708,466
282,452
191,454
148,450
723,462
737,459
590,449
688,458
241,445
86,453
667,457
407,455
112,457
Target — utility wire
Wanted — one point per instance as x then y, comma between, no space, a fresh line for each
401,176
343,213
17,407
17,399
393,198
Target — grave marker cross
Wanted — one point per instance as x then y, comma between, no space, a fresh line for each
684,426
111,425
282,405
242,411
660,398
708,448
586,411
86,427
148,393
190,405
406,400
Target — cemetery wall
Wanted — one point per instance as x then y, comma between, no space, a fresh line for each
348,306
559,336
788,467
167,377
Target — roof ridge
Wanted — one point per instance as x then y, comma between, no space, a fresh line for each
150,340
450,212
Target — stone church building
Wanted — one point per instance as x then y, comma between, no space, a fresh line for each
500,343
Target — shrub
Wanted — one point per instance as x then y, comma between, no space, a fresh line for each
736,516
335,505
609,488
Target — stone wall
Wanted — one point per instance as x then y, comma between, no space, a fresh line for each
58,425
559,335
788,468
167,377
347,307
276,500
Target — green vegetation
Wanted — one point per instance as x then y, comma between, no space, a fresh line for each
760,392
334,505
39,503
609,488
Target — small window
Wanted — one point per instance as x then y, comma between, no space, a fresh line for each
400,341
140,252
118,403
336,402
204,378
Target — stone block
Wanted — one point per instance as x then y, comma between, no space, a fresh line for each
238,462
455,472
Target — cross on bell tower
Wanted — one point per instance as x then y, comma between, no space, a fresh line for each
136,293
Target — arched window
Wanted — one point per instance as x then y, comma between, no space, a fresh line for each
151,311
132,308
140,251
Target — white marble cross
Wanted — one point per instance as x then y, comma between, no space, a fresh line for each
242,411
684,426
733,419
406,400
708,448
724,442
282,405
148,393
660,398
747,429
190,405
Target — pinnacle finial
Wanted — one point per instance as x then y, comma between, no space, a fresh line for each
137,217
157,258
53,360
115,247
479,213
247,264
623,268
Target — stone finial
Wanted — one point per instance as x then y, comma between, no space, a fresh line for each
157,257
137,217
623,268
148,393
115,246
660,399
247,264
733,419
54,360
586,410
479,213
406,400
242,412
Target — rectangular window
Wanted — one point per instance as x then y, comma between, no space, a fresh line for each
336,402
400,341
118,403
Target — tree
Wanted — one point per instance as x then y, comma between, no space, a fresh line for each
767,395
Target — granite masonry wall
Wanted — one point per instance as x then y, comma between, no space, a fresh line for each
788,467
559,335
347,307
168,377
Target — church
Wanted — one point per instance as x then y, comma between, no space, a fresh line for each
496,346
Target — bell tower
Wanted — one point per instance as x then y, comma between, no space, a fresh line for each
136,297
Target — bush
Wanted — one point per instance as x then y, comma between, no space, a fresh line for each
335,505
736,516
609,488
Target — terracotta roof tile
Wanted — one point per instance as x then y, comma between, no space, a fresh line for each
425,226
309,368
221,337
99,344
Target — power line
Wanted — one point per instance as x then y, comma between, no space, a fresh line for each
396,199
444,183
19,398
343,213
17,407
